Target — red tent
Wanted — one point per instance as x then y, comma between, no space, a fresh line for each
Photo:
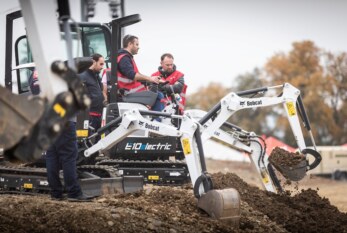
272,142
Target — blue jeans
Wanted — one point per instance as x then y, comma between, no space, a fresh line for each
95,122
158,106
62,155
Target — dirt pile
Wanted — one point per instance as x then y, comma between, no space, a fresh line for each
171,209
306,211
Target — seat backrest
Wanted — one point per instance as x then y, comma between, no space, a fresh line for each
143,97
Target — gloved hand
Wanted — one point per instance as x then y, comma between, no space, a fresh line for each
165,89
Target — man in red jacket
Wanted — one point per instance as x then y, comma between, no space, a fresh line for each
130,80
167,70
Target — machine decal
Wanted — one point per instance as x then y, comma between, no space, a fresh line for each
43,182
175,173
85,124
291,108
186,146
82,133
152,127
254,102
147,146
153,177
59,110
264,176
28,186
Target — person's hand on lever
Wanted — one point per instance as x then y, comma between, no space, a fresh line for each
155,79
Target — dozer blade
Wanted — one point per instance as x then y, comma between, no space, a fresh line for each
126,184
222,204
132,183
101,186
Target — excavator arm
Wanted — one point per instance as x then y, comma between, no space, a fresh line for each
249,142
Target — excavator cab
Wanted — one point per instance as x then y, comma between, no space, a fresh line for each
87,38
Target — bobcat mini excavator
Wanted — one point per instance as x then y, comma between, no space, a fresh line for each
193,133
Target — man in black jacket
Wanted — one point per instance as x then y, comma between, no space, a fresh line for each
62,155
92,81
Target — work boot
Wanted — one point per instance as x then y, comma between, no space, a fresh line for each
61,198
80,198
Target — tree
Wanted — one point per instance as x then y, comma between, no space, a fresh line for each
323,88
302,68
206,97
336,93
255,119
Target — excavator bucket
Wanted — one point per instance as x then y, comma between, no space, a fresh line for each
18,115
294,173
222,204
292,166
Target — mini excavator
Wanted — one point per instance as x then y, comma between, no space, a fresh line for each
197,126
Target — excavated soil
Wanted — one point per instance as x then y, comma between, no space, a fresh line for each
174,209
305,211
281,157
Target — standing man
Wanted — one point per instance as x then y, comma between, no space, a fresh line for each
129,77
91,79
167,70
62,154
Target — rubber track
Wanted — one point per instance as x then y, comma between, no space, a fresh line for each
100,170
23,170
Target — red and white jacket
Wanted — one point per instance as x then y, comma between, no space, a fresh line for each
172,79
130,85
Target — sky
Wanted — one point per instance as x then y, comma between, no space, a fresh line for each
217,40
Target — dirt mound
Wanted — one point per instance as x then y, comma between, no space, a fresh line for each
306,211
169,209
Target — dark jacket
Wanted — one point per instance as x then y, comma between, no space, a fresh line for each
94,86
125,65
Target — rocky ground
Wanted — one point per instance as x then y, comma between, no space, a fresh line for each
173,209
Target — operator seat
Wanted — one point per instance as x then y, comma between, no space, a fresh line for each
143,97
